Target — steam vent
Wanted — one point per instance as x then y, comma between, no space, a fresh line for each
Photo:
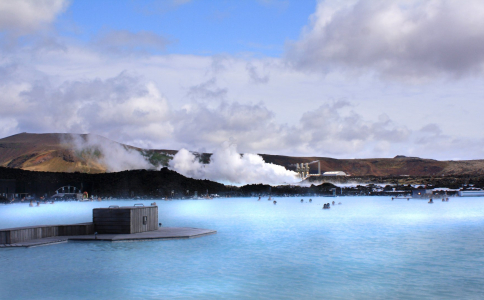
114,223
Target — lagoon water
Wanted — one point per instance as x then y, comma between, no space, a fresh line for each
366,248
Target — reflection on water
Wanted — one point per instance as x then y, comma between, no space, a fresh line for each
366,248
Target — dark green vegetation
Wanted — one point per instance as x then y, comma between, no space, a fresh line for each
125,184
167,183
143,183
156,158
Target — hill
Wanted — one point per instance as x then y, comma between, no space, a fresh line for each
397,166
127,184
85,153
55,152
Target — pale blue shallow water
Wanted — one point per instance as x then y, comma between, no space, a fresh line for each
366,248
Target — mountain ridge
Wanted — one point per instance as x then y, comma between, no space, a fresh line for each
60,152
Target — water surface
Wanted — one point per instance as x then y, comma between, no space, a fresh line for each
366,248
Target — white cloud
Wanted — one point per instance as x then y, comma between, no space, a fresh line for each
174,101
131,109
411,39
122,108
126,42
251,126
25,16
254,75
207,90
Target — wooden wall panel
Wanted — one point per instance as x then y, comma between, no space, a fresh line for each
22,234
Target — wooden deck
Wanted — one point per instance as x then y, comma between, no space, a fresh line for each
25,234
164,233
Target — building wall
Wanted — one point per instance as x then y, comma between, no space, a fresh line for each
7,188
125,220
334,173
421,193
22,234
139,224
471,193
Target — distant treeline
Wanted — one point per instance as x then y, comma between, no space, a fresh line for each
143,183
167,183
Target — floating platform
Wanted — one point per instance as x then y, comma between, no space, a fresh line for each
127,223
164,233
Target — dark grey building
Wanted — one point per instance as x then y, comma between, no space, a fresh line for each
7,188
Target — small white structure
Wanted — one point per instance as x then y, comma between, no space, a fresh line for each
471,193
334,173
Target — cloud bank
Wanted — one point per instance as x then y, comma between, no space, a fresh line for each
404,38
54,83
26,16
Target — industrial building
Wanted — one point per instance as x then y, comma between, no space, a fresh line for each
334,173
422,193
471,193
302,170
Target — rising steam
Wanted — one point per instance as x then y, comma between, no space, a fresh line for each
228,166
115,157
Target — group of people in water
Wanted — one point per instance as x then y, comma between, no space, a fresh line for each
328,205
31,204
443,200
325,206
430,200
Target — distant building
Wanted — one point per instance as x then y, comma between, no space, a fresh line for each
7,188
471,193
334,173
421,193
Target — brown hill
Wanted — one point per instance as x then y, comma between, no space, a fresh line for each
58,153
44,152
400,165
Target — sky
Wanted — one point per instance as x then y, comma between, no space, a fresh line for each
342,79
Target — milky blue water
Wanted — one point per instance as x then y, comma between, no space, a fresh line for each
366,248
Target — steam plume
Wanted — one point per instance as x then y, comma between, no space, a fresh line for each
115,157
228,166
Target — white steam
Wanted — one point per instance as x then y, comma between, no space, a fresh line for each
114,156
228,166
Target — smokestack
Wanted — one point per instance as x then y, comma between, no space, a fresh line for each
319,167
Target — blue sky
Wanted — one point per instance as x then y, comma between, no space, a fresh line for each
344,79
194,27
